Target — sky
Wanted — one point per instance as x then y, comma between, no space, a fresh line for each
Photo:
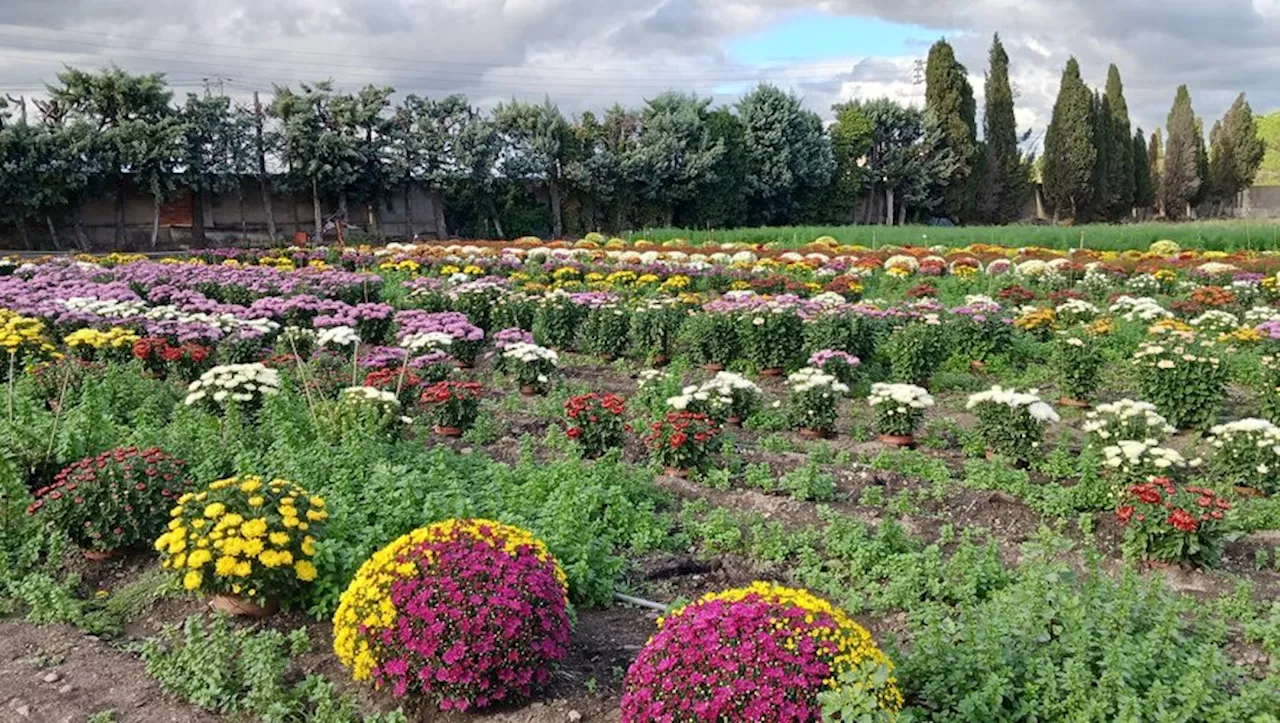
589,54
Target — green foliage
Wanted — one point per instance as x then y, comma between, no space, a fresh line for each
854,698
1181,181
1069,150
787,152
1004,176
949,98
914,352
1057,646
211,665
1077,363
1089,493
809,483
711,338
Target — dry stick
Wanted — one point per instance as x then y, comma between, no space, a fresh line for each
306,390
57,413
640,602
404,370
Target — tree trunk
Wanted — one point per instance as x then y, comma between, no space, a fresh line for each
22,233
315,208
53,233
902,214
197,218
266,204
442,225
493,214
119,215
78,237
408,214
155,220
557,223
244,226
888,206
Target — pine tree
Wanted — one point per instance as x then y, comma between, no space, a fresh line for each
1004,182
1069,151
949,97
1143,193
1180,181
1120,173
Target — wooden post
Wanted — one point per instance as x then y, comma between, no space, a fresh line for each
262,168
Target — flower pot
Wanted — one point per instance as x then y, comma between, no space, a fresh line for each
659,361
448,431
463,365
100,555
528,390
1073,403
1249,492
771,372
898,440
713,367
675,472
1160,565
977,365
808,433
734,421
236,605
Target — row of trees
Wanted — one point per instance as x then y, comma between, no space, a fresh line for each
526,167
1096,169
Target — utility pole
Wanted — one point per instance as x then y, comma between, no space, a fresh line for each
216,80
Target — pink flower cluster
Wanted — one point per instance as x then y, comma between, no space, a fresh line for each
745,660
475,626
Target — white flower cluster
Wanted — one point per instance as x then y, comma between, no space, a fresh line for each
1163,357
1259,314
1031,268
1260,433
338,336
1127,419
717,392
1037,408
901,397
649,377
430,340
1142,457
1216,322
235,382
1141,308
1144,284
526,353
1216,268
810,378
1072,311
106,308
368,395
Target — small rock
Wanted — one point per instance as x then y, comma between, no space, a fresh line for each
23,711
52,677
574,716
64,690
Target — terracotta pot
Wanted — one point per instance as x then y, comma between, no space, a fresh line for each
463,365
1073,403
236,605
675,472
713,367
659,361
771,372
448,431
977,365
734,421
898,440
528,390
1249,492
813,433
1160,565
100,555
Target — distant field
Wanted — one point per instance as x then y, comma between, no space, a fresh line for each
1213,235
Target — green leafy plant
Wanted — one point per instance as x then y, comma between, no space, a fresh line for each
898,408
1011,423
1246,453
814,401
711,338
1173,523
1184,378
914,352
1077,362
772,337
605,331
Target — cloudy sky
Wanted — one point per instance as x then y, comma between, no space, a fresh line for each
588,54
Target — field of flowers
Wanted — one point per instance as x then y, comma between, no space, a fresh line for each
529,481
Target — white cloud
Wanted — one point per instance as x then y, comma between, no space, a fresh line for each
589,54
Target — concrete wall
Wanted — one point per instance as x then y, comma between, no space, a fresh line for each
229,216
1261,202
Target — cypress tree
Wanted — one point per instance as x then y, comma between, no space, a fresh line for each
1069,151
1155,169
1202,165
1143,193
1120,174
1004,184
949,97
1180,180
1103,194
1248,148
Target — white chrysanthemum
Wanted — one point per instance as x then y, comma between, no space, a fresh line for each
338,336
